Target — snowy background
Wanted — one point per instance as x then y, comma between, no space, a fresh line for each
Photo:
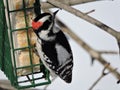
84,74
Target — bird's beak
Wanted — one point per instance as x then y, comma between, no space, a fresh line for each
55,13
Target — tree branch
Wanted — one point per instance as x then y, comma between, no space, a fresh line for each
101,76
45,5
108,52
84,16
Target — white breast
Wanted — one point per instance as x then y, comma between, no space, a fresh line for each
63,54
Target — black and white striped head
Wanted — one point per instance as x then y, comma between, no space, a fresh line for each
43,21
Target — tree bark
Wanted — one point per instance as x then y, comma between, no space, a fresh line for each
45,5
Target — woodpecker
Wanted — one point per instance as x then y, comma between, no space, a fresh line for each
53,47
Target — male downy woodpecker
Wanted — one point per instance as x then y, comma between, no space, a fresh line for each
53,47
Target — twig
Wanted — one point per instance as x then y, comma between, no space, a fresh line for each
90,11
108,52
95,54
103,72
101,76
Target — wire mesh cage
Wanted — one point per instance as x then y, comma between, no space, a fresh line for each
18,58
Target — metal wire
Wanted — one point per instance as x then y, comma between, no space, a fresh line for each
12,76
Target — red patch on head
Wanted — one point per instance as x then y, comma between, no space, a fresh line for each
36,25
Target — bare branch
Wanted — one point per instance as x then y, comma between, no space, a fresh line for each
96,82
67,2
105,67
101,76
95,54
108,52
90,11
84,16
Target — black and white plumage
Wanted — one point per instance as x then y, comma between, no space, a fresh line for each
53,47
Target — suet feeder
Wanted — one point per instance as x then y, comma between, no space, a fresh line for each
18,59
